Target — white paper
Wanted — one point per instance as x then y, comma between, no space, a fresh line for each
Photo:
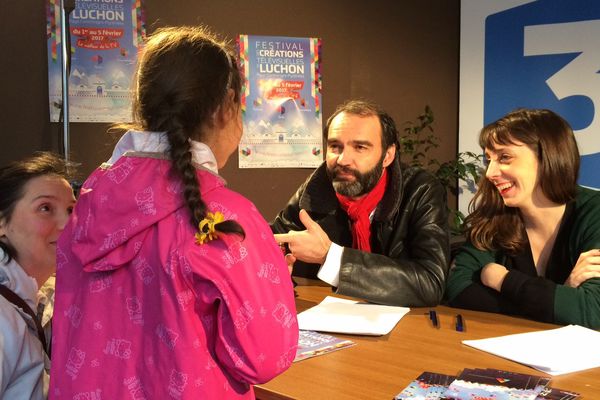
555,351
347,316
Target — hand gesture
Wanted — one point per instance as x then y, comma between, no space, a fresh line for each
310,245
587,266
290,260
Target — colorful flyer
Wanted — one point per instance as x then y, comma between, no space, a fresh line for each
281,102
105,38
428,386
312,344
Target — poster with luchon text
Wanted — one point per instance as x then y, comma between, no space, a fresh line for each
281,102
105,37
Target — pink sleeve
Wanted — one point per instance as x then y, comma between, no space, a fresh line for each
249,285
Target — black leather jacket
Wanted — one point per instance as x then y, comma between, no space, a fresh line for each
409,238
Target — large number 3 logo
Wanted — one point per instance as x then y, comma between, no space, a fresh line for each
581,76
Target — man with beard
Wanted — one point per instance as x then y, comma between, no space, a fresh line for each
364,224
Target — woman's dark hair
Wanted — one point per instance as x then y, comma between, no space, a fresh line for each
364,108
491,225
183,77
14,177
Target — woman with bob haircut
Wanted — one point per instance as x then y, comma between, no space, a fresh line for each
533,234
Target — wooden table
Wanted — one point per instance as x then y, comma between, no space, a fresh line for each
380,367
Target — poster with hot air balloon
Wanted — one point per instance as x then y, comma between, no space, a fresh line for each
105,38
281,102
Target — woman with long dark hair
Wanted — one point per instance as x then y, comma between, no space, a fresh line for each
533,233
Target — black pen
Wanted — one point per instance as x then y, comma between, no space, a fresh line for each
433,318
460,327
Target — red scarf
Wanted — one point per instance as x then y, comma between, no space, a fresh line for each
359,210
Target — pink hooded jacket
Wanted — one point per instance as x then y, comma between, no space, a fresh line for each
143,312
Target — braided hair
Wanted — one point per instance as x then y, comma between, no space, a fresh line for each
183,77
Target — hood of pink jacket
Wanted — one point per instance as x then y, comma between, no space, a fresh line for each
114,212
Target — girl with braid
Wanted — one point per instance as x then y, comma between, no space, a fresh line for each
170,285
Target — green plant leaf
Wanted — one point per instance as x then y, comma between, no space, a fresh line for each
419,138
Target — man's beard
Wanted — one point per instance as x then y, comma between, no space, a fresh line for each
363,184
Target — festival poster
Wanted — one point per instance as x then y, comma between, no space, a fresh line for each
105,38
281,102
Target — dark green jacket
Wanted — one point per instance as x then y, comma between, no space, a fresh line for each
545,298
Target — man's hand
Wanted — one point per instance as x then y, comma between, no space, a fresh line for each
311,245
492,275
290,260
587,266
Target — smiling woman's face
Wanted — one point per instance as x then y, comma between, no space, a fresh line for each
37,220
514,169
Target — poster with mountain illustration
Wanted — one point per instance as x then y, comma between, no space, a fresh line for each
105,37
281,102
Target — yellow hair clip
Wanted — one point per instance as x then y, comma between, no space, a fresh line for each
206,227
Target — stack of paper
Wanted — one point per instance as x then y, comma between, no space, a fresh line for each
496,384
483,384
347,316
556,351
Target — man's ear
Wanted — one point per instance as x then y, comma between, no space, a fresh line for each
390,154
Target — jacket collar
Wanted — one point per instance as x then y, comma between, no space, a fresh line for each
157,142
319,196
